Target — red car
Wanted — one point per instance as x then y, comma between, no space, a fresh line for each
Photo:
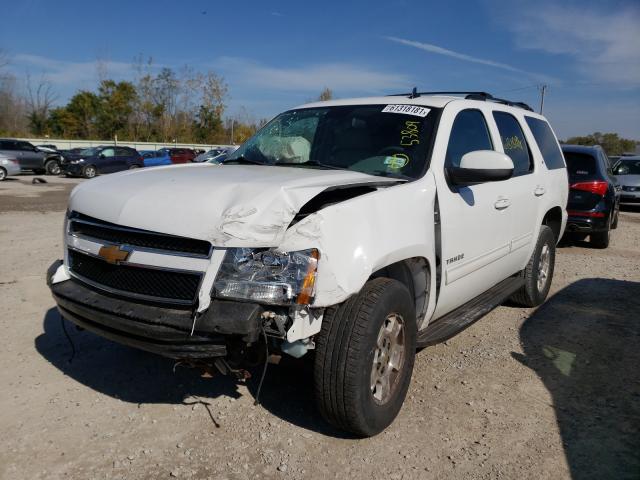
180,155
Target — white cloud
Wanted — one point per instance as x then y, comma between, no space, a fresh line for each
342,77
67,73
604,43
431,48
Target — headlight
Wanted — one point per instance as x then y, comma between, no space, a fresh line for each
77,160
267,276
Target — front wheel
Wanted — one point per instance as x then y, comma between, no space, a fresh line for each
539,271
52,167
3,174
364,358
89,171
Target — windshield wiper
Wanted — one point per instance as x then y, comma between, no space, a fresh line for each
309,163
243,159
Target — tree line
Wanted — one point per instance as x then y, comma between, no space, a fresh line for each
612,143
162,105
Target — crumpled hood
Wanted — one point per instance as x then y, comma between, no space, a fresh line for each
230,205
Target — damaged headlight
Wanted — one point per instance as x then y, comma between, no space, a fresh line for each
267,276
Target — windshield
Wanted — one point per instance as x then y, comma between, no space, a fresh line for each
627,167
89,152
387,140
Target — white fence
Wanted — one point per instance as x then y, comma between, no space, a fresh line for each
67,144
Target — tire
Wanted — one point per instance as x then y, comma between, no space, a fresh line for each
351,339
134,166
52,167
601,239
3,174
536,287
89,171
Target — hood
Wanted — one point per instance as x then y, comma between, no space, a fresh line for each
629,180
231,205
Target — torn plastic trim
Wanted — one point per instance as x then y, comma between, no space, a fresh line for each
337,194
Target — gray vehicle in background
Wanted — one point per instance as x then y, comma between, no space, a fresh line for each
627,172
30,157
8,166
214,153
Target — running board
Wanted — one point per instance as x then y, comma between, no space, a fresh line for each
454,322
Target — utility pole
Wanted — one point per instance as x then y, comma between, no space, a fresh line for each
543,90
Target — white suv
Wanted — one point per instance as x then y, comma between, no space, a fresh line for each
356,230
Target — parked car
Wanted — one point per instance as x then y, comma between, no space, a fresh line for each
153,158
179,155
627,172
8,167
30,157
594,197
213,153
360,229
105,159
218,159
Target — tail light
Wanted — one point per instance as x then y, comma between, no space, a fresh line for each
141,158
577,213
598,187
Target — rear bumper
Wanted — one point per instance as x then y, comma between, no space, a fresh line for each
161,330
587,224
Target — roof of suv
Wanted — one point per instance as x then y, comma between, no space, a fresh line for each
587,149
423,100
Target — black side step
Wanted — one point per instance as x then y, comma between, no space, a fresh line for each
454,322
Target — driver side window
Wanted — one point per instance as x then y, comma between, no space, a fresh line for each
107,152
468,134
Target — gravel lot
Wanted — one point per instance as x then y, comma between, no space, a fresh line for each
524,393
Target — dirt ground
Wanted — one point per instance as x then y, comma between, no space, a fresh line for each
547,393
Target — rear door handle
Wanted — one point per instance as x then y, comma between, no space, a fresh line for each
502,203
539,191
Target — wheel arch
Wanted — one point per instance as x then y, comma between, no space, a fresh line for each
553,219
415,274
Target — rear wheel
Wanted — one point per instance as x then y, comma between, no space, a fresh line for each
601,239
52,167
89,171
364,358
539,271
134,166
3,174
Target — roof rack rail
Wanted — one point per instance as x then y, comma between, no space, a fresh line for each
482,96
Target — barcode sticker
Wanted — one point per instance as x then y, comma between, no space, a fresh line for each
414,110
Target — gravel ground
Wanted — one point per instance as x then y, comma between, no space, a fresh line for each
552,392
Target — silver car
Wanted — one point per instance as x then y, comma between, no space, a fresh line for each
8,166
627,172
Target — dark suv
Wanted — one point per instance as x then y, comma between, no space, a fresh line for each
594,195
30,157
105,159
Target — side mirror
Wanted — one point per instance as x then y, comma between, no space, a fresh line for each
481,166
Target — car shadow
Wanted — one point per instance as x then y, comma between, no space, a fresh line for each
584,344
139,377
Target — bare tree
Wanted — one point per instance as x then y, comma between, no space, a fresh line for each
40,99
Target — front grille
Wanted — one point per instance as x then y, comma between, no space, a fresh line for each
98,229
154,284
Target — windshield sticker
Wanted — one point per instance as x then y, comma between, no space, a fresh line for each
410,134
414,110
396,161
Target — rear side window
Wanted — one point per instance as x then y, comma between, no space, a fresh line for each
468,134
581,166
514,143
547,143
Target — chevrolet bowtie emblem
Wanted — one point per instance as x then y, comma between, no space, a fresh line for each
114,254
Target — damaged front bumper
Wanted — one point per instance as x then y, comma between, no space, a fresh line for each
166,331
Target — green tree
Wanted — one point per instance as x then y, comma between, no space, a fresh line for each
612,143
116,106
326,94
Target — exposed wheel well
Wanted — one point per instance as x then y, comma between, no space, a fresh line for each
553,219
415,274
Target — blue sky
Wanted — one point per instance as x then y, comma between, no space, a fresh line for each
275,55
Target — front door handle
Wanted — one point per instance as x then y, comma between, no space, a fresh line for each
539,191
502,203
